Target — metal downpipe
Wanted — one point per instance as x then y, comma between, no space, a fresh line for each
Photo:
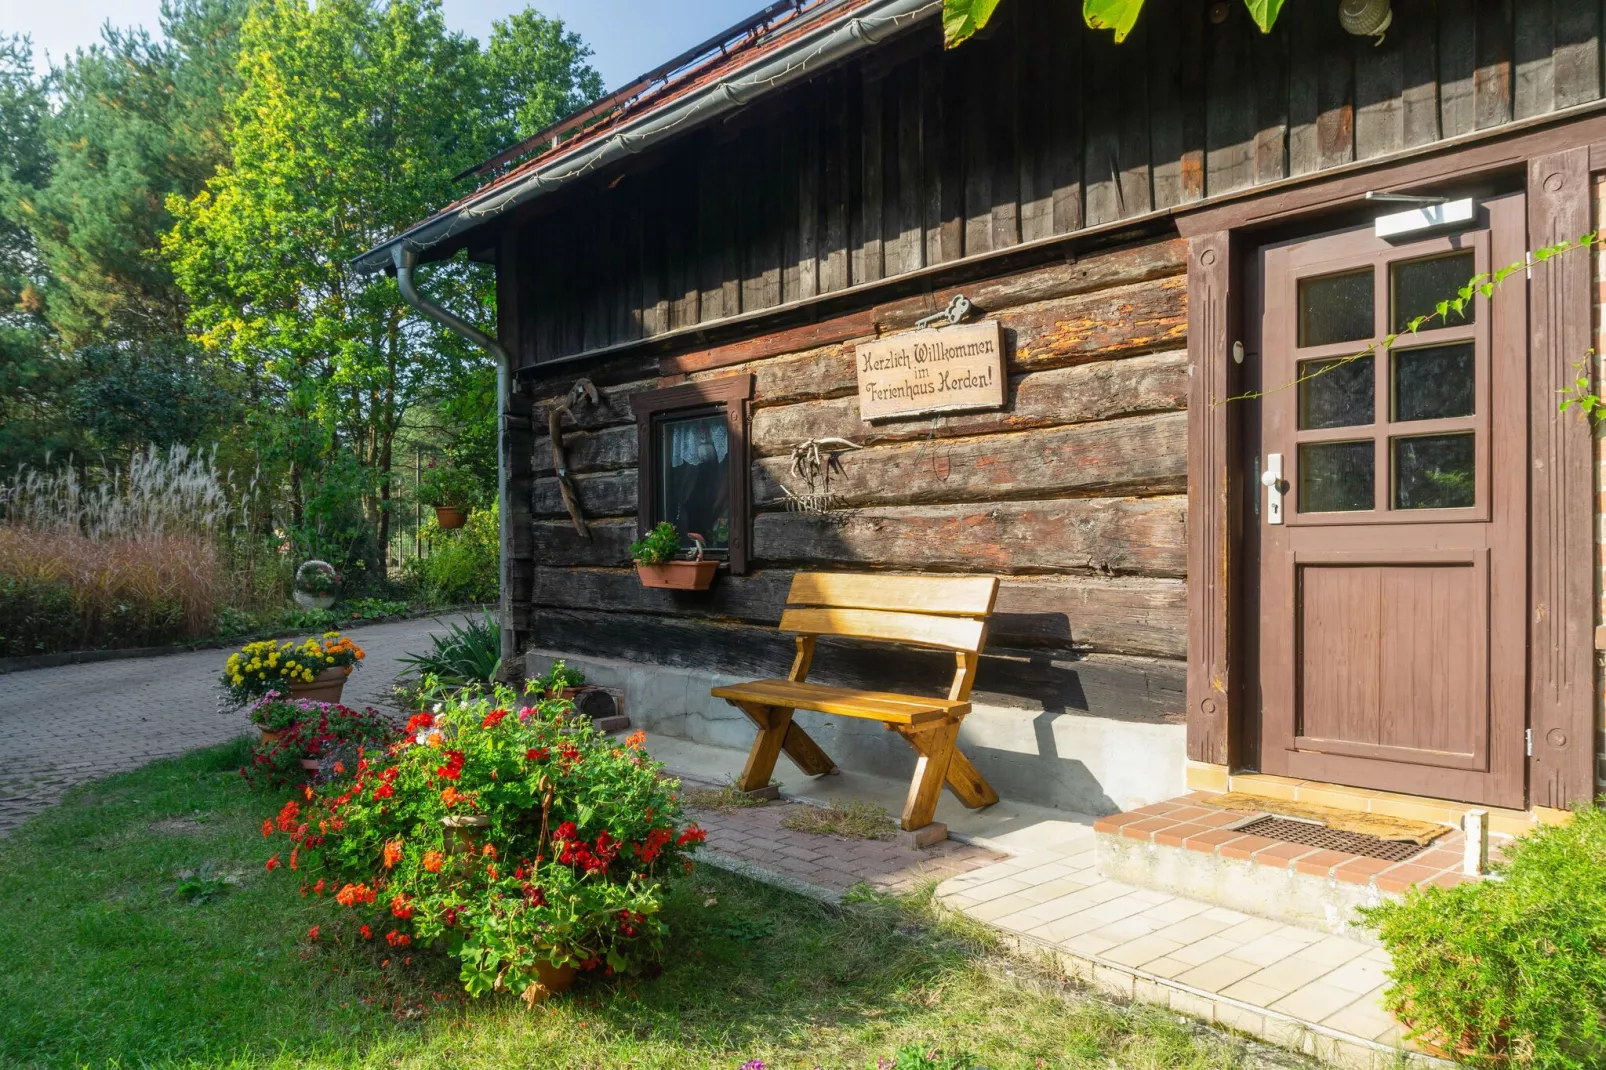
405,260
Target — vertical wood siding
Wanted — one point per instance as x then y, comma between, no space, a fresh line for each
914,157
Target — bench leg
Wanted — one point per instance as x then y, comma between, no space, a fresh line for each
797,744
801,748
936,748
965,779
772,726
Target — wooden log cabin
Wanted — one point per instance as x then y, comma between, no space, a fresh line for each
1156,228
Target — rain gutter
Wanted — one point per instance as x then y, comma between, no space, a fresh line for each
404,260
812,51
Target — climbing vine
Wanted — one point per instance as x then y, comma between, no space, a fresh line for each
963,18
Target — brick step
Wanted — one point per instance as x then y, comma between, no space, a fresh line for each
1188,847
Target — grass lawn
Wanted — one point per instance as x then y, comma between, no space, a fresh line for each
108,961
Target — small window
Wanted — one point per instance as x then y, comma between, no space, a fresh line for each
693,488
693,464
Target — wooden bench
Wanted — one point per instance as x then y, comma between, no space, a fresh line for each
942,612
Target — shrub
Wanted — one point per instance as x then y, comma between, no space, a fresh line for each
310,730
37,616
461,656
264,666
463,565
1510,971
561,843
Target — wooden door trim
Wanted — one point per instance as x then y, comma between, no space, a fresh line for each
1561,675
1214,715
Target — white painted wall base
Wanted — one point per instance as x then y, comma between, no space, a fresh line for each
1063,760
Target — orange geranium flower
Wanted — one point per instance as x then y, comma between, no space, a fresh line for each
637,739
393,853
450,796
433,861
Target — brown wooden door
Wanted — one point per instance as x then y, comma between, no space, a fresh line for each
1391,635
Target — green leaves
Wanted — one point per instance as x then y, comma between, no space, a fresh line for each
962,18
1264,12
1117,15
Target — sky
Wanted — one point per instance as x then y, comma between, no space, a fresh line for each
630,37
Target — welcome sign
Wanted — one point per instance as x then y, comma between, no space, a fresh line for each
931,371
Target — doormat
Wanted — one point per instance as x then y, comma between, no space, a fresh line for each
1383,827
1307,834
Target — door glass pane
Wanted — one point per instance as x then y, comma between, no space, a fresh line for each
1419,285
1434,472
693,491
1336,393
1337,308
1335,477
1434,383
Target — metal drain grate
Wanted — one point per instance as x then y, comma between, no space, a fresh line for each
1310,835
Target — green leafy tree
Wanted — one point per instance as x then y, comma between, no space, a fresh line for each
351,120
136,119
538,72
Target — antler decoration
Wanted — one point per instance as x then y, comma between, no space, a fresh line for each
581,390
809,462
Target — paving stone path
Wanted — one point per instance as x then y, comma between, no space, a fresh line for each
755,839
66,725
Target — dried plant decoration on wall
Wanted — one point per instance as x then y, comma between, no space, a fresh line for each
582,390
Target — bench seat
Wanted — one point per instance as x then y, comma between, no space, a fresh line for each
885,706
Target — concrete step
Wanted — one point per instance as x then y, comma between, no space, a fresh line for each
1188,847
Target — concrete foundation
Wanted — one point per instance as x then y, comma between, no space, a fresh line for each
1060,760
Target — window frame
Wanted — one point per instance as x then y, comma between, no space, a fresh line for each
730,394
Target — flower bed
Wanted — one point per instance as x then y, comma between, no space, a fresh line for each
258,668
310,731
513,842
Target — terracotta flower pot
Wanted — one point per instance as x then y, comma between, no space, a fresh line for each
552,980
325,687
450,517
679,575
271,735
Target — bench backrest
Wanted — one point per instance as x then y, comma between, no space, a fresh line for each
945,612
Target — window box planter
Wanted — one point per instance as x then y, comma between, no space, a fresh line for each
679,575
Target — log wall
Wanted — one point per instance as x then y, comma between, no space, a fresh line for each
1074,494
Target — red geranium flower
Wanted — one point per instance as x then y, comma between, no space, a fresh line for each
493,718
312,934
273,863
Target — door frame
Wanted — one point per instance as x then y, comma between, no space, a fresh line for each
1554,165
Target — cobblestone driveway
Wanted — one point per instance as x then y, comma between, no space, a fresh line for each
74,723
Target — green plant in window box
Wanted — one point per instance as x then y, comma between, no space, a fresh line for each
658,564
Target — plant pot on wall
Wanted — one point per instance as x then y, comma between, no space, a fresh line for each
449,517
679,575
325,687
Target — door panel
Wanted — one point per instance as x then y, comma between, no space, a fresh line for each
1391,631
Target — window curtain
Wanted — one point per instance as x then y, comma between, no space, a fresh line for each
698,442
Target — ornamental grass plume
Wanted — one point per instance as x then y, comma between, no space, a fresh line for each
134,557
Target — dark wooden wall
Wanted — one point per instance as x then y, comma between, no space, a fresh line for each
1074,494
912,156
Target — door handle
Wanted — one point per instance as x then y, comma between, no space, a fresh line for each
1276,486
